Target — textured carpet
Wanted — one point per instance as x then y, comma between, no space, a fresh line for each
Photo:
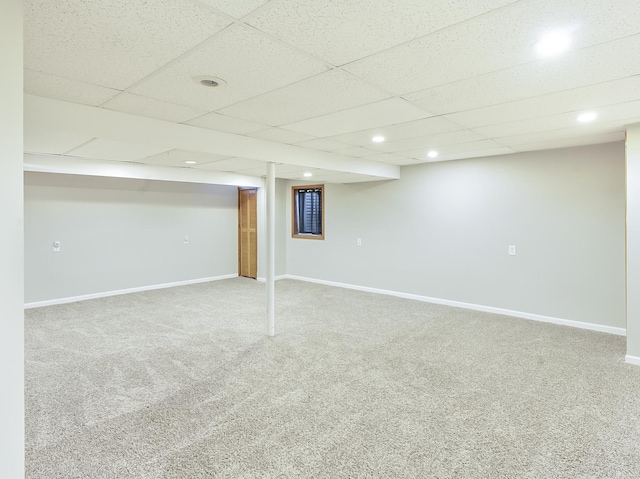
182,383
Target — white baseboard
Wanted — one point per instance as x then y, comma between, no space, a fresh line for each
476,307
84,297
426,299
277,278
632,360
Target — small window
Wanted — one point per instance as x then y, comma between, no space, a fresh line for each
307,205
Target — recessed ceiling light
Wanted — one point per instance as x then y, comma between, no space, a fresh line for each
209,81
553,44
308,174
587,117
432,154
190,162
378,139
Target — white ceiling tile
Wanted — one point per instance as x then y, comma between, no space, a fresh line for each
589,97
400,131
319,95
218,122
249,62
152,108
50,141
357,152
614,60
59,88
629,110
393,159
436,141
281,135
235,8
568,142
344,31
178,158
596,22
322,144
114,150
115,43
605,114
454,53
234,164
392,110
495,41
592,129
531,125
445,152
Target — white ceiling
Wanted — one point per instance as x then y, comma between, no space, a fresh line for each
457,76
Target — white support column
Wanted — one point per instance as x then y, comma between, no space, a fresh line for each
633,244
271,248
11,244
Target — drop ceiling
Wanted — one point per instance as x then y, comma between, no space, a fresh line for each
460,77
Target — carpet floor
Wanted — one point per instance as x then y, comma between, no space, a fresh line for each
183,383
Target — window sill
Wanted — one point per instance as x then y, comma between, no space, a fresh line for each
311,237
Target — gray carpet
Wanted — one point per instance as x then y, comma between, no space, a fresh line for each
182,383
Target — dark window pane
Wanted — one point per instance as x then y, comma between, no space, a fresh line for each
309,211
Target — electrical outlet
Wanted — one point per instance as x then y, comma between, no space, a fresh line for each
512,250
56,246
359,242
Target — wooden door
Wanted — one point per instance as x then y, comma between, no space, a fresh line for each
247,232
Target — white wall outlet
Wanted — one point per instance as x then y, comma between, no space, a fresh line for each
56,246
359,242
512,250
186,239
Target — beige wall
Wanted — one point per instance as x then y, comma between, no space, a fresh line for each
122,233
11,244
443,231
